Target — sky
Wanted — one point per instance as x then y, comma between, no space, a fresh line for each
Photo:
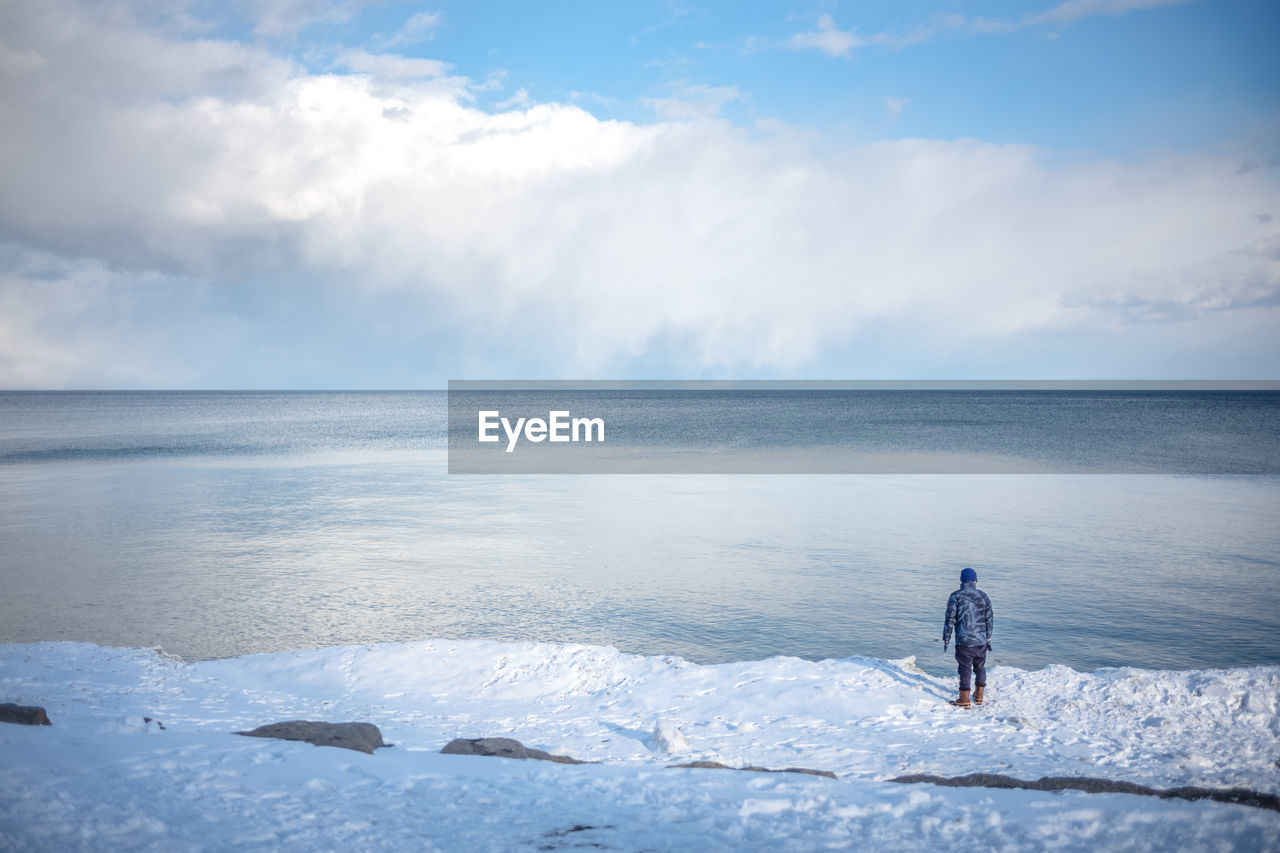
351,194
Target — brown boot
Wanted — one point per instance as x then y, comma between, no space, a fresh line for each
977,694
963,701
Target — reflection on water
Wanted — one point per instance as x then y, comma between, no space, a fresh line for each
216,560
222,554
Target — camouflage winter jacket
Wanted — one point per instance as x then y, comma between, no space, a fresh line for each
969,614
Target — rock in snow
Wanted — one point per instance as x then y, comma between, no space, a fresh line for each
1092,785
362,737
716,765
502,747
23,715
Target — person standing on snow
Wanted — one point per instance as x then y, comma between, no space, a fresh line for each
969,615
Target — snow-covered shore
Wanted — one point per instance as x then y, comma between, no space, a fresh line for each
102,777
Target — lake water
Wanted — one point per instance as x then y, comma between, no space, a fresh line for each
218,524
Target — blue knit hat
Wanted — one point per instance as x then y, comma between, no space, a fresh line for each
968,575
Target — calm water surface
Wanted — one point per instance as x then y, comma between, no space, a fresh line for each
217,524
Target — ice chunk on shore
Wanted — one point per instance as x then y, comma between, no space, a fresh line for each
668,738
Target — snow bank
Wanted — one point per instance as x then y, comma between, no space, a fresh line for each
103,777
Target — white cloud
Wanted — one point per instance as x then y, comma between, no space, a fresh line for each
494,81
694,102
417,29
835,42
542,229
827,38
277,18
894,106
75,321
390,66
519,99
596,98
1074,10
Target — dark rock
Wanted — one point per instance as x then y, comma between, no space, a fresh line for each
1241,796
502,747
704,765
807,771
362,737
973,780
23,715
1092,785
716,765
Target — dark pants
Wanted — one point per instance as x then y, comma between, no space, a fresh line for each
975,658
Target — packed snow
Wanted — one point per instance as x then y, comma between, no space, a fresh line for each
141,753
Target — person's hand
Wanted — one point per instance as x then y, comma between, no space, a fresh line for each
988,645
944,646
